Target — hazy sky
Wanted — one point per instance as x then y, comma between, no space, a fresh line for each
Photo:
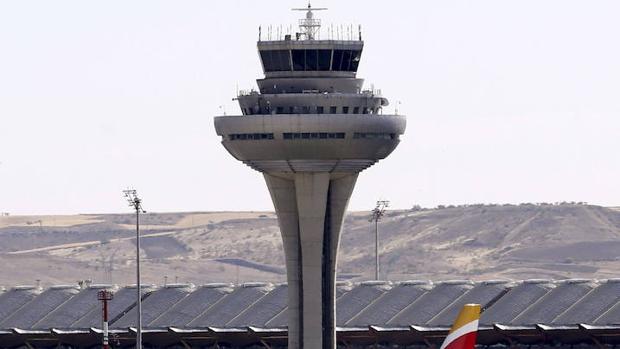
507,101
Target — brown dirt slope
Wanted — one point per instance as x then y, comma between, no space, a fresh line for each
474,242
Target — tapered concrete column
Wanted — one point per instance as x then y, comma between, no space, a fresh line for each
310,208
283,196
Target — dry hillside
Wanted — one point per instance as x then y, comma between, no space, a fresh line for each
473,242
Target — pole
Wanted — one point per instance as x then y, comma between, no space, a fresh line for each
138,288
104,296
105,324
376,249
136,203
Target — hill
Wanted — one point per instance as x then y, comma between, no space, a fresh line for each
472,242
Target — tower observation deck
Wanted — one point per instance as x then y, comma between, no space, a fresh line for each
310,129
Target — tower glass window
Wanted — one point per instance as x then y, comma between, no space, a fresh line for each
311,60
325,57
276,60
337,61
346,60
299,60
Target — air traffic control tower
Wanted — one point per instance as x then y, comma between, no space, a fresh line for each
310,129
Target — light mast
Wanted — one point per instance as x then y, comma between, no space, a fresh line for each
310,129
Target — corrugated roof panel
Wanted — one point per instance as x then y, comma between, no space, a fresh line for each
124,299
354,301
231,305
483,293
593,305
390,303
515,302
154,305
554,303
192,306
42,305
15,298
431,303
72,310
263,310
612,316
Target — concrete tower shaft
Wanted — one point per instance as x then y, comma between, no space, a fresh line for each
310,129
310,208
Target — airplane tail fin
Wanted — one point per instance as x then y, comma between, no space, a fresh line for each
463,332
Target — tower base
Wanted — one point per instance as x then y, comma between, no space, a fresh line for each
310,208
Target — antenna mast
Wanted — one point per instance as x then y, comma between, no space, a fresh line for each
309,26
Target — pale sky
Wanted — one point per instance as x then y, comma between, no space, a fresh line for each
507,101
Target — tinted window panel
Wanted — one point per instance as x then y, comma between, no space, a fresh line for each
337,59
277,60
299,60
267,61
311,60
346,60
285,60
325,56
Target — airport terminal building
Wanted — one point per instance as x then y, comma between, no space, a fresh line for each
532,314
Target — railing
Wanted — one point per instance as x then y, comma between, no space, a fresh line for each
331,32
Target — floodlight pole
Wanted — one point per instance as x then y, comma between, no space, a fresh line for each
138,283
377,213
136,203
377,249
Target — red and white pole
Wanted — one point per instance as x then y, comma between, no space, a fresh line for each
104,296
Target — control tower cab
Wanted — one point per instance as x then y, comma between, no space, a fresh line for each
310,128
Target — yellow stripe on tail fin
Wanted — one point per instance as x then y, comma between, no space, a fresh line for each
463,332
469,313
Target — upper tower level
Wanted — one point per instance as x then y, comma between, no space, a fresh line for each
305,54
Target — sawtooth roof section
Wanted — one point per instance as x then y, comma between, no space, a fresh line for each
123,300
40,306
431,303
72,310
193,305
15,298
390,303
265,309
611,316
354,301
517,300
555,302
231,305
154,305
484,293
383,304
593,305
